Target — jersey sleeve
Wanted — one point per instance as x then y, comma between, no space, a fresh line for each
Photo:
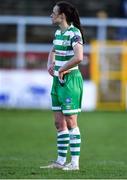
76,37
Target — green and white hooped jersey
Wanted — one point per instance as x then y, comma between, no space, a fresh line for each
63,45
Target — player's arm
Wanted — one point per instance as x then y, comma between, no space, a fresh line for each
75,60
51,61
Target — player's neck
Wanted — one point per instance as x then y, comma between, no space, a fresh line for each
64,26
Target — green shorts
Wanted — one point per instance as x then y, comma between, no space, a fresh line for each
68,98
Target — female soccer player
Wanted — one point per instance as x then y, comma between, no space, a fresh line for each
66,93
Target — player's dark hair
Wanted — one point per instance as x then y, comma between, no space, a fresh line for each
71,13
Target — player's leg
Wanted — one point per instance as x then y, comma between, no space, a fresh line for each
62,137
60,124
75,141
70,108
62,141
61,127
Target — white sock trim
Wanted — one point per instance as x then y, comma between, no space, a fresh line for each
75,131
63,132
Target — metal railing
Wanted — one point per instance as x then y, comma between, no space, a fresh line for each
22,21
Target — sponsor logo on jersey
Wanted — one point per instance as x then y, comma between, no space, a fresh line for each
66,43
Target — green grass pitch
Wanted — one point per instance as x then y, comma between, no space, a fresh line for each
28,140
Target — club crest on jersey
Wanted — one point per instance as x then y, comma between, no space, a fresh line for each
68,100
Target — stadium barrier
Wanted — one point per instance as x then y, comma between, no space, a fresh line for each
31,89
109,72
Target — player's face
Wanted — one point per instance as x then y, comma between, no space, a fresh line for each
56,17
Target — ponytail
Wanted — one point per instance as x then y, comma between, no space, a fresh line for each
76,22
71,13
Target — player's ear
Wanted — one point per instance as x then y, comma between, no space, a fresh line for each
63,16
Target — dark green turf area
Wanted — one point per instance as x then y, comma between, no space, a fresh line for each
28,140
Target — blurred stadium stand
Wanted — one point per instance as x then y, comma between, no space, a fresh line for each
43,8
89,8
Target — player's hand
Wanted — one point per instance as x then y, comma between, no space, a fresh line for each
61,74
51,69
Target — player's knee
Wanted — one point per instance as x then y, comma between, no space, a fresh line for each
71,122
